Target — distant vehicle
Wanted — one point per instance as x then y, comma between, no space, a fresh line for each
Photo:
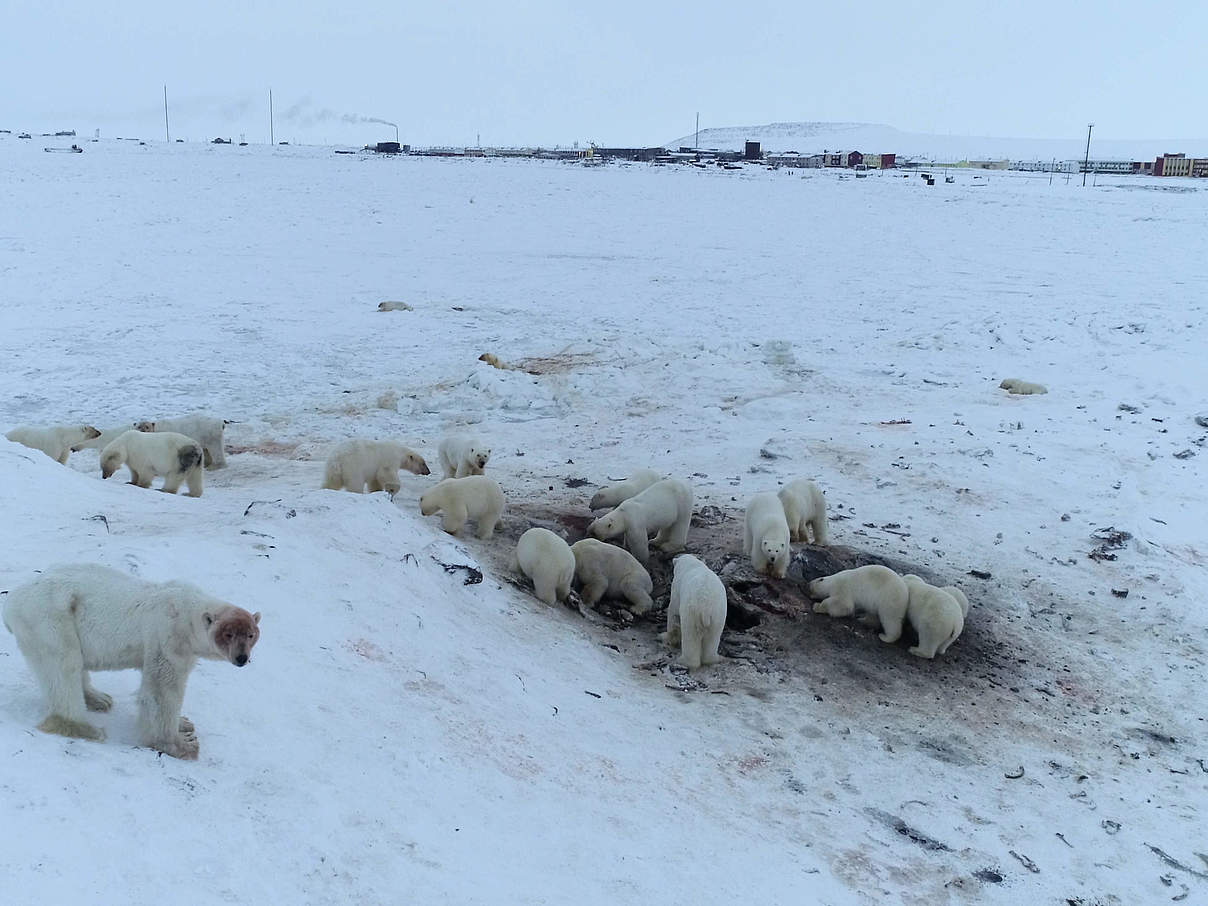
221,141
24,135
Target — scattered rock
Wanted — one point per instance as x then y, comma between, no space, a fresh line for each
1185,454
1202,421
979,574
1125,407
1120,592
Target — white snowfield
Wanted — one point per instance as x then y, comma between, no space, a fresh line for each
403,737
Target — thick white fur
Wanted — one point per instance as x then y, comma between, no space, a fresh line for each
871,589
960,597
356,463
547,560
102,440
804,507
665,507
84,617
614,494
697,613
605,569
473,497
935,615
1022,388
462,455
205,429
56,441
766,535
176,457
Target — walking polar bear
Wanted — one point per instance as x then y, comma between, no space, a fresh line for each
102,440
204,429
937,615
56,441
665,507
804,508
176,457
605,569
356,463
473,497
548,561
462,455
697,612
874,589
82,617
618,493
766,535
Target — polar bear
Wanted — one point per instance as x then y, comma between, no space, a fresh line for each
605,569
871,589
548,561
960,597
174,456
205,429
462,455
56,441
766,536
473,497
618,493
1022,388
82,617
804,507
356,463
665,507
936,616
102,440
697,612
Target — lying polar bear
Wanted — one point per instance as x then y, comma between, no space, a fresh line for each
1022,388
205,429
871,589
473,497
56,441
605,569
618,493
548,561
936,615
356,463
804,508
697,612
665,507
176,457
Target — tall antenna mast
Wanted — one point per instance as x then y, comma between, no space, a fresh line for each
272,139
697,147
167,136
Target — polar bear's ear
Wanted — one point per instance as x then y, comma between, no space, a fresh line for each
209,618
256,618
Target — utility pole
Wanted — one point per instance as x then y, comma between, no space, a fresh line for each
167,136
697,148
272,139
1087,161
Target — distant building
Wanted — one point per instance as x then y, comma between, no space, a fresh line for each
1180,165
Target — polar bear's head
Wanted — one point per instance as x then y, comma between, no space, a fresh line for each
818,588
145,427
479,455
233,631
607,526
111,461
89,432
414,463
429,501
773,548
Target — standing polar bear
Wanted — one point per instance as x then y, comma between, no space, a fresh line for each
473,497
356,463
766,535
103,439
697,612
204,429
937,615
804,508
548,561
82,617
874,589
618,493
665,507
56,441
605,569
176,457
462,455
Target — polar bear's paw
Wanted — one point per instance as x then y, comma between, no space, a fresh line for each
97,701
75,729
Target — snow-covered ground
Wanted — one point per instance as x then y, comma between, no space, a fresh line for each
401,736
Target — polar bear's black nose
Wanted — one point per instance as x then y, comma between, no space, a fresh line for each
240,660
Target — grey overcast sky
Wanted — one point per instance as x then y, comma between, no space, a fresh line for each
618,72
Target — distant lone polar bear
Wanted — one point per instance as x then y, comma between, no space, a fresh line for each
804,508
356,463
936,616
473,497
1022,388
665,507
605,569
56,441
548,561
204,429
871,589
174,456
461,455
697,612
618,493
84,617
766,535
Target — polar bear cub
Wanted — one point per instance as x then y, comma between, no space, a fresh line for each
605,569
56,441
697,612
614,494
548,561
871,589
473,497
936,616
204,429
462,455
176,457
804,507
82,617
766,535
665,507
356,463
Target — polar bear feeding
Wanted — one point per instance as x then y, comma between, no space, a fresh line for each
615,494
665,507
936,614
873,589
605,569
548,561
